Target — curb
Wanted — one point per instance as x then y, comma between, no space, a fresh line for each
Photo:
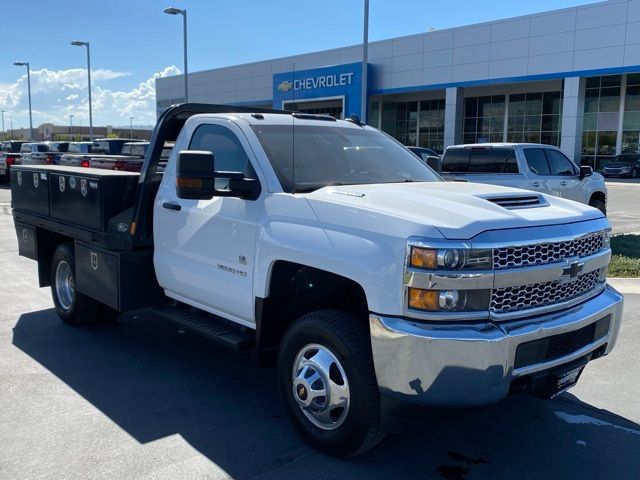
625,285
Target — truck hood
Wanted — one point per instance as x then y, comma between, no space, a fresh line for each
459,210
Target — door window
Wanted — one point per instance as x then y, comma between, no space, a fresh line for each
228,153
559,164
537,161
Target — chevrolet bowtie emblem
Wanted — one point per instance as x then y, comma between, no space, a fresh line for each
572,270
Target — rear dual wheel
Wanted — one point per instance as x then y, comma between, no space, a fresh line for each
71,306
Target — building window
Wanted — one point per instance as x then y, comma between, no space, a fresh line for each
631,120
374,114
418,123
431,125
535,117
601,116
484,119
406,122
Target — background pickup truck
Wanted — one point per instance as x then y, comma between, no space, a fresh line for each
36,153
9,155
98,148
532,166
332,252
130,159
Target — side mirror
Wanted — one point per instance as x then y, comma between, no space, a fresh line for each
195,175
585,171
435,163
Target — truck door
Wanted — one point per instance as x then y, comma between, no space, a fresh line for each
566,175
205,249
541,179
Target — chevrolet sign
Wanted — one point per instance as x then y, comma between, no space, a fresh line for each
285,86
323,81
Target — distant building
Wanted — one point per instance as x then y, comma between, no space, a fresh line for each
49,131
568,77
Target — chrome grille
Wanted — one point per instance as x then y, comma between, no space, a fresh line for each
510,299
538,254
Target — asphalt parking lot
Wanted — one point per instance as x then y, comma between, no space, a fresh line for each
623,206
137,399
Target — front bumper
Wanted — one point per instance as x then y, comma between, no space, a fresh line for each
469,364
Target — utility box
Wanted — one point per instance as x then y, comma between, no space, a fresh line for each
82,197
30,189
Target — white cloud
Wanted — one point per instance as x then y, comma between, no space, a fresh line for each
58,93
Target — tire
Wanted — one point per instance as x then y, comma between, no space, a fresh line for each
634,173
599,204
71,306
354,429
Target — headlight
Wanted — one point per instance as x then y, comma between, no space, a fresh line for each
448,300
451,258
606,239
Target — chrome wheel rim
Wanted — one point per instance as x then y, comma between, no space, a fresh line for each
65,285
320,387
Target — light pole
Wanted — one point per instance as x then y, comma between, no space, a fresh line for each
77,43
11,124
26,64
4,134
365,59
178,11
131,127
71,126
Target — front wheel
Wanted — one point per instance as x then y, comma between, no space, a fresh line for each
599,204
71,306
328,384
634,173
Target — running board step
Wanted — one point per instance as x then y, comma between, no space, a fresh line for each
207,325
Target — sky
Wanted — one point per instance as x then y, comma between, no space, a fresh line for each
133,42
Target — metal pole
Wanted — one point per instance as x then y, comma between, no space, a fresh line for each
29,88
71,126
4,133
89,79
365,59
186,71
131,127
11,123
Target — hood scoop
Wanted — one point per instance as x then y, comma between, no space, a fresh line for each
513,202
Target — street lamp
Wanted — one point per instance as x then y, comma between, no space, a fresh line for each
26,64
4,134
365,59
71,126
77,43
11,124
131,127
178,11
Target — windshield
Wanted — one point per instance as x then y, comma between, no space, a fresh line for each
334,155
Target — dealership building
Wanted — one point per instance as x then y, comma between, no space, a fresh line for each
568,77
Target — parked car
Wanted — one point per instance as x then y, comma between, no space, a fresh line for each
538,167
100,147
333,253
58,148
428,156
130,159
9,155
624,165
36,153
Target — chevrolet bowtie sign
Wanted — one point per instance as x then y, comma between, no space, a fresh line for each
342,83
312,83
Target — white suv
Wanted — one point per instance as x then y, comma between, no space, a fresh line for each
531,166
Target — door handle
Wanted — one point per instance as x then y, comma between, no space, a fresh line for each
172,206
563,183
535,184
